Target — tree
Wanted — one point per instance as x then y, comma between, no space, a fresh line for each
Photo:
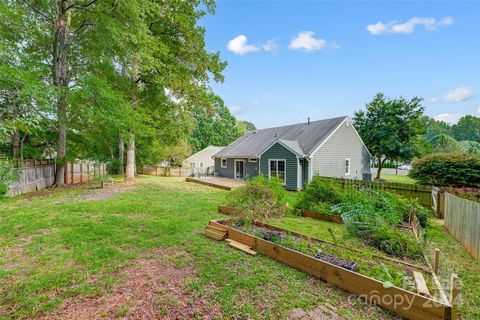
391,128
244,126
467,129
434,128
471,147
213,126
445,144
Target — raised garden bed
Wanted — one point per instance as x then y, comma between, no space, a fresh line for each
337,271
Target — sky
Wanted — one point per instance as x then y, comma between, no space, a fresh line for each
290,60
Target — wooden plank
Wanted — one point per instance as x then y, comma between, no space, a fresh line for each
421,284
214,235
240,246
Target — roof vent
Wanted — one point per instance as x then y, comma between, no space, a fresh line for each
275,134
308,120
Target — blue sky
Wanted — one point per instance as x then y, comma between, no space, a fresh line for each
289,60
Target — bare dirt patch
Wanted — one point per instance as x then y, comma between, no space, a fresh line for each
103,194
152,289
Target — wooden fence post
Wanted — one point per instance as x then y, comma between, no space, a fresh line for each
72,172
65,173
88,170
81,172
454,295
436,260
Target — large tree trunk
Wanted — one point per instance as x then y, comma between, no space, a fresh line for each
380,166
60,78
16,144
121,153
130,169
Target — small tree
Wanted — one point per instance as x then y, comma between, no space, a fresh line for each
391,128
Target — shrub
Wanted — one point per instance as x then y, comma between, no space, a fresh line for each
448,169
7,176
319,195
260,198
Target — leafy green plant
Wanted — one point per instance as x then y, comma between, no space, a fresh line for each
319,195
8,174
448,169
390,278
261,198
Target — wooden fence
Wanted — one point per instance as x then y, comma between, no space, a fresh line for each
39,174
166,171
413,191
462,220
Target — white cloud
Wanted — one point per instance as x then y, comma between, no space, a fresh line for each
306,41
459,94
270,46
430,24
256,102
448,117
236,110
239,45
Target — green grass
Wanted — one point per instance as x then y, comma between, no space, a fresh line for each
455,259
52,247
55,248
398,178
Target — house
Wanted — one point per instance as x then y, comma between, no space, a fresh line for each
295,153
200,161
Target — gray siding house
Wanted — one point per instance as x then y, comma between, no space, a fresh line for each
295,153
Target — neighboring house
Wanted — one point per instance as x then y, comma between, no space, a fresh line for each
200,161
295,153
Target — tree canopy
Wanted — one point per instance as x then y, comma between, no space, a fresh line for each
391,128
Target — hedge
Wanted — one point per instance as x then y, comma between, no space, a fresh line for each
448,169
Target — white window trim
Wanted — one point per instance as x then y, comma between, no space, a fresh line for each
252,160
269,173
235,168
347,173
221,162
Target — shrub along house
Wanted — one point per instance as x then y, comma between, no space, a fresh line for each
295,153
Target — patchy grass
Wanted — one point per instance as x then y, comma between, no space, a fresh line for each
398,178
455,259
55,250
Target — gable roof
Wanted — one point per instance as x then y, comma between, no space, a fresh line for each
301,138
208,151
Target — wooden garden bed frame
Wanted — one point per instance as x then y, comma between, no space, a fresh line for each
405,303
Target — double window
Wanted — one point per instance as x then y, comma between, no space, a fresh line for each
277,169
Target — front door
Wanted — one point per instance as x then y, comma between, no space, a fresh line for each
239,169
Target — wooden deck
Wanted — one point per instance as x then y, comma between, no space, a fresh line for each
218,182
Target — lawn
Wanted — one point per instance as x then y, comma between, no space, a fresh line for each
398,178
66,252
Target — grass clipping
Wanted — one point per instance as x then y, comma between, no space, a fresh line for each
260,198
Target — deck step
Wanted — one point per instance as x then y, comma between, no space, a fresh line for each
421,284
215,233
241,247
209,226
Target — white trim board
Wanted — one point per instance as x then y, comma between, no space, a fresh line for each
235,168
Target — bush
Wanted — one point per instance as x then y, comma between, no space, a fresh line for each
7,176
319,195
115,167
260,198
448,169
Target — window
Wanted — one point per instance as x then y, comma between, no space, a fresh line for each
347,166
201,164
253,160
277,169
192,165
223,162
